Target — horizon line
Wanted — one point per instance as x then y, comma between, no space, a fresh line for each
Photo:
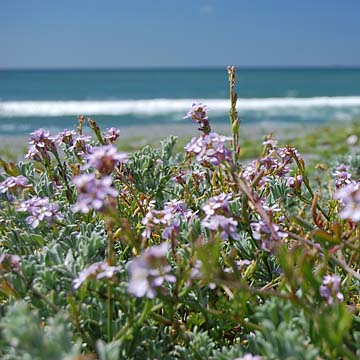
175,68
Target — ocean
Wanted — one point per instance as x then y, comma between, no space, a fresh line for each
30,99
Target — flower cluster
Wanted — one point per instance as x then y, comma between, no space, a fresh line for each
66,137
330,289
111,135
262,233
149,271
104,158
210,149
167,218
295,182
98,271
13,182
198,113
218,216
342,176
80,145
93,192
226,225
349,195
40,209
40,144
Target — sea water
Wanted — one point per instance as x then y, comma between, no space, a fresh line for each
30,99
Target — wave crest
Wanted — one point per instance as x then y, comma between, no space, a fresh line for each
160,107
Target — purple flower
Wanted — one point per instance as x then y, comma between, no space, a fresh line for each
104,158
342,177
80,145
66,137
8,261
330,289
288,153
42,139
217,204
226,225
262,233
198,114
111,135
149,271
93,192
249,357
98,271
349,195
210,149
40,209
13,182
155,218
295,182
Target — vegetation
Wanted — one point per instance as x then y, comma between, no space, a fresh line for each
109,255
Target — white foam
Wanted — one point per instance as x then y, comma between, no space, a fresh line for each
154,107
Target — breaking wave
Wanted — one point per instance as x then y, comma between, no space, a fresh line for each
162,107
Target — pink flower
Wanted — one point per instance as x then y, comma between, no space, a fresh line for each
349,195
98,271
149,271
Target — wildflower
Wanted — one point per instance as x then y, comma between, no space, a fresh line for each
13,182
154,218
250,357
198,114
178,207
288,153
149,271
98,271
342,176
329,290
104,158
217,204
33,153
169,217
80,145
66,137
8,261
210,149
272,143
352,140
180,177
171,231
93,192
239,264
349,195
41,139
295,182
40,209
111,135
226,225
262,233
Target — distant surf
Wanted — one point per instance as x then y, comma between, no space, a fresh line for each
161,107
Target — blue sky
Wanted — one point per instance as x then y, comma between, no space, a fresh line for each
174,33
